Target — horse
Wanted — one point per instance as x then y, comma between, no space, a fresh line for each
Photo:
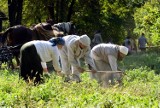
17,35
68,28
14,37
20,34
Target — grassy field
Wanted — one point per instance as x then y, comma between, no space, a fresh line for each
140,89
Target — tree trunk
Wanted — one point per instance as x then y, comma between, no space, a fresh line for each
57,12
70,12
51,12
19,11
0,25
11,12
62,11
15,11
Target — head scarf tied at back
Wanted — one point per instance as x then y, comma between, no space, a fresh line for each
58,40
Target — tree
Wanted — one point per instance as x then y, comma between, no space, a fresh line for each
113,17
147,19
15,11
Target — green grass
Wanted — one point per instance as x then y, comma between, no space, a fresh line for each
140,89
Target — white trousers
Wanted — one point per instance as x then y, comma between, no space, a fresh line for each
67,68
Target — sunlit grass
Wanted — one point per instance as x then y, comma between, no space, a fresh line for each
140,89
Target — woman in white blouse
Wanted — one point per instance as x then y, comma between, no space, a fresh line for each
33,56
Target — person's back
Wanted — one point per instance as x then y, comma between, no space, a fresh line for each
45,50
97,38
103,50
105,57
142,41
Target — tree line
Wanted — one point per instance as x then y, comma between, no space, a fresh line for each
115,18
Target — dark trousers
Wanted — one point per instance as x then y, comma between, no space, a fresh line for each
30,66
143,49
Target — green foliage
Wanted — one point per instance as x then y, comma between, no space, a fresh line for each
150,60
113,17
147,20
34,11
3,8
140,75
140,89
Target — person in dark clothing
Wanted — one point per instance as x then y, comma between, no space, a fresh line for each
142,41
97,39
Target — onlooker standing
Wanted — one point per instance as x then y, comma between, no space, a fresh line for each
127,43
97,38
133,45
142,41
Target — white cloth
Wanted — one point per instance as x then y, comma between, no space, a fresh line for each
71,53
47,53
44,65
107,53
105,59
123,50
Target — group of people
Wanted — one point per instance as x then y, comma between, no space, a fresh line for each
66,54
131,44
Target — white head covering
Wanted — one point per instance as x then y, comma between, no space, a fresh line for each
123,50
85,40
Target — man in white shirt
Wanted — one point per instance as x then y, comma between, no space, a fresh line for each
33,56
105,58
76,47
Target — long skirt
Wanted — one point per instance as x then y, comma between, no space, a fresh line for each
30,64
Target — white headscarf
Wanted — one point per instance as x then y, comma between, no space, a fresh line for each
123,50
85,40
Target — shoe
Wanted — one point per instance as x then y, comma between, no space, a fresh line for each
67,79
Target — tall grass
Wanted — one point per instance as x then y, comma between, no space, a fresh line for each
140,89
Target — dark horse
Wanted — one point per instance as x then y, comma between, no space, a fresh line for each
20,34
